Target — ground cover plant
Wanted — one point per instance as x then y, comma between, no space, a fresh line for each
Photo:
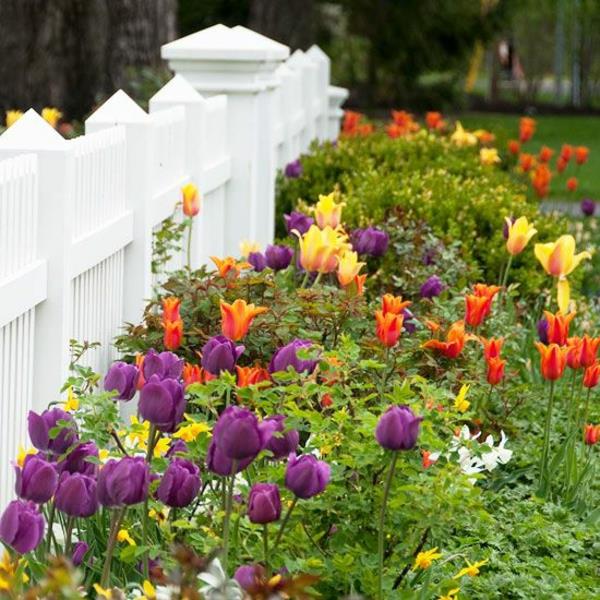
398,399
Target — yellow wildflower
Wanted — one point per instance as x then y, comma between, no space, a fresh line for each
188,433
489,156
123,536
23,453
12,116
149,590
103,454
161,447
247,247
103,592
52,115
423,560
160,516
461,404
461,137
471,570
72,403
451,595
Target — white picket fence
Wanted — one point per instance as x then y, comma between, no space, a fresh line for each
77,216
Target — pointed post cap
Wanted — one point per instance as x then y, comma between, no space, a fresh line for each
316,53
32,132
221,43
178,89
119,109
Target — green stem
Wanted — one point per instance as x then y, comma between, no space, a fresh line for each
266,549
505,278
285,522
380,545
227,521
305,280
317,279
117,517
544,463
153,436
587,408
189,245
50,524
69,535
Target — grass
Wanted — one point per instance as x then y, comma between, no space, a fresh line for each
552,131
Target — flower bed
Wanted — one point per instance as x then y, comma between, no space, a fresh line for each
370,408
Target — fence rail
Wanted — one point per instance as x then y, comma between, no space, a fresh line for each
77,217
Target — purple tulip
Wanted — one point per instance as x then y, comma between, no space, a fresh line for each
287,356
282,442
409,322
278,257
122,378
220,354
76,495
258,261
123,482
297,221
398,428
588,207
430,255
306,476
542,329
433,287
79,551
250,577
218,463
162,403
76,460
40,427
264,503
177,447
505,231
165,365
371,241
22,526
293,169
180,484
239,435
36,480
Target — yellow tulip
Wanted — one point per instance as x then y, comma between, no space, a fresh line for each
247,247
489,156
519,234
559,260
461,137
12,116
328,211
348,268
320,248
52,115
461,404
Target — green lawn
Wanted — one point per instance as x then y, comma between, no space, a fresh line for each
552,131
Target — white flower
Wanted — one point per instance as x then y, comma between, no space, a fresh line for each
218,585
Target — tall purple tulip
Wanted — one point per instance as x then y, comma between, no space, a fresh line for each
293,169
433,287
180,484
76,460
588,207
79,551
398,428
282,442
76,495
306,476
162,403
218,463
40,427
220,354
239,435
250,577
36,480
370,241
258,261
287,356
122,378
297,221
264,503
123,482
165,365
278,257
22,526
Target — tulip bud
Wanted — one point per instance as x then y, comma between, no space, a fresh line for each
22,526
591,377
122,378
433,287
495,372
588,207
398,428
165,365
287,356
40,427
180,484
36,480
123,482
306,476
220,354
173,334
191,200
370,241
258,261
250,577
76,495
297,221
591,434
282,442
278,257
264,503
162,403
293,169
79,551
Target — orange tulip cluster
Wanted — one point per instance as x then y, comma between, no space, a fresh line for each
195,374
402,124
454,344
172,323
390,319
435,121
478,305
354,125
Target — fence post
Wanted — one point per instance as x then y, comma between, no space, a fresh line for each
323,63
298,61
241,64
31,134
337,97
120,109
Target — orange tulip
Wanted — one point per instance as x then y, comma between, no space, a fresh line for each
566,152
389,327
591,434
358,284
581,154
574,353
526,162
553,360
545,154
236,318
572,184
173,334
558,327
229,265
191,200
479,304
170,306
487,291
526,128
433,119
139,363
591,376
432,325
589,349
514,147
491,347
251,375
541,180
561,164
405,121
192,374
393,304
495,372
455,341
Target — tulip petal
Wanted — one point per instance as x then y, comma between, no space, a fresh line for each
563,295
